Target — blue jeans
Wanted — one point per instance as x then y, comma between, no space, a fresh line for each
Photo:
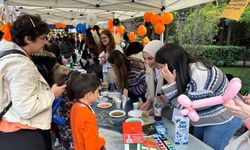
218,136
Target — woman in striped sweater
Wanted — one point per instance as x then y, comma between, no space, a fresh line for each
131,76
198,79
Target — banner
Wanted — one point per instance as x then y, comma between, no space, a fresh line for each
234,9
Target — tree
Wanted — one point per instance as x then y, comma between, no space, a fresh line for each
200,27
245,18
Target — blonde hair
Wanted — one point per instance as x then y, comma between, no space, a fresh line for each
59,74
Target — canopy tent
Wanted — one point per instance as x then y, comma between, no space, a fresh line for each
76,11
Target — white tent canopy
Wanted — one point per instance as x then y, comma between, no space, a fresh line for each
75,11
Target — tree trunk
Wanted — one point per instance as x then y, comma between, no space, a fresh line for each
229,33
221,34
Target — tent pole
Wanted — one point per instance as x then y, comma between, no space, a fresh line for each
114,27
163,4
6,10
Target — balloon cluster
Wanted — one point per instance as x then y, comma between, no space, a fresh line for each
158,21
60,25
6,30
81,28
116,23
231,91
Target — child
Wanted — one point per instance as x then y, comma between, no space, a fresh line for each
82,118
62,75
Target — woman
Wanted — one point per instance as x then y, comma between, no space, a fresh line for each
89,58
134,50
67,49
27,122
131,76
240,109
45,62
153,78
198,79
107,46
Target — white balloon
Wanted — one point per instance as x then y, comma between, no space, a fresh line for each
91,19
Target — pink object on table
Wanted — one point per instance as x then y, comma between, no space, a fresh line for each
231,91
64,61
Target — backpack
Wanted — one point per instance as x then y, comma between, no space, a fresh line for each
13,51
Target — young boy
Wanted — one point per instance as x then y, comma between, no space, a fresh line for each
82,118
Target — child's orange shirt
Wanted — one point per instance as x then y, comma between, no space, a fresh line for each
84,129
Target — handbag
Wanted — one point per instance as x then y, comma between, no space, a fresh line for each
13,51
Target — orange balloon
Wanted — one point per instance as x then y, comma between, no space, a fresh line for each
6,30
132,36
6,27
121,29
145,41
155,19
59,25
159,28
117,38
167,18
110,24
8,24
56,25
63,26
111,29
142,30
147,16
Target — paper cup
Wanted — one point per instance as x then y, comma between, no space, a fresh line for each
136,105
118,104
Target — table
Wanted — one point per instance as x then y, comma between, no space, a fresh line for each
112,131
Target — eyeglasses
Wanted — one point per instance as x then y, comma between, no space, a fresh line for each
32,23
104,37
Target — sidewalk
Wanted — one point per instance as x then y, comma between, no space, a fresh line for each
240,64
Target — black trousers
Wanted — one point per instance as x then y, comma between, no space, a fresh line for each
26,140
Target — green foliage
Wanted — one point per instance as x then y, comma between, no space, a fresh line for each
219,55
245,18
242,73
200,27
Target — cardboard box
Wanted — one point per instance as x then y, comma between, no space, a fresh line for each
132,135
181,130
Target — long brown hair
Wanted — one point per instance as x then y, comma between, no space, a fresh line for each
121,67
111,45
177,58
90,43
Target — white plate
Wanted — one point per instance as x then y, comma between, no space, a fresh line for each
104,93
104,105
101,99
135,113
114,94
121,112
134,120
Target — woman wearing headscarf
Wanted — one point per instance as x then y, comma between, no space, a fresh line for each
153,78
